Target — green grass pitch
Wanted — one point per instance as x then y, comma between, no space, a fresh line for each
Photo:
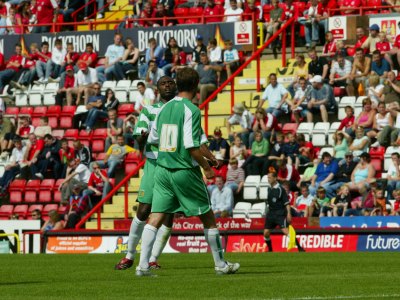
191,276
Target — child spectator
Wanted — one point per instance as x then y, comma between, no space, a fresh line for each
320,206
303,202
379,203
291,148
275,154
238,151
291,197
341,201
54,222
231,58
43,128
383,45
348,122
235,176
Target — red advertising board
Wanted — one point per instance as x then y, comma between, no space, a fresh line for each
311,242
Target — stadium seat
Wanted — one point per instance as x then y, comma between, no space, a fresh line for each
306,129
65,122
30,197
57,133
345,101
377,152
130,167
109,84
6,211
101,156
99,133
17,185
98,146
250,190
133,157
319,133
57,196
21,99
358,105
68,110
84,135
377,165
181,13
32,185
47,184
27,110
45,196
57,184
53,122
289,127
49,93
81,109
257,210
71,134
241,209
12,111
62,209
54,111
126,108
263,189
35,122
15,197
21,210
325,149
49,207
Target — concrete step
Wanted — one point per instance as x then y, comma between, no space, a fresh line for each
105,224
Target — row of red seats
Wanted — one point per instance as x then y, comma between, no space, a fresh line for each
24,211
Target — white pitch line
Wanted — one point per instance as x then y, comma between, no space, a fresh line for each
340,297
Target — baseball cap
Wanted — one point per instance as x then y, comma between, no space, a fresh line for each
82,66
69,68
374,27
316,79
199,37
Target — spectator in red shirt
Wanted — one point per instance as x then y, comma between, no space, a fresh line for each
329,49
146,13
29,69
395,50
220,170
33,150
68,82
288,172
2,64
66,153
306,151
98,185
264,122
161,12
46,14
72,57
348,121
361,38
12,68
41,64
251,11
24,129
213,12
89,57
76,207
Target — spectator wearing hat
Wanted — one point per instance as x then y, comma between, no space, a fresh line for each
113,55
370,42
68,83
241,116
235,177
219,145
199,48
220,170
77,205
208,76
322,99
77,174
15,164
276,94
221,199
84,83
213,12
343,175
324,174
340,74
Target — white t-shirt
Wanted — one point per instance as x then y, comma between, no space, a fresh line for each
215,54
114,52
83,173
85,79
245,120
233,15
57,56
392,171
143,100
304,201
374,99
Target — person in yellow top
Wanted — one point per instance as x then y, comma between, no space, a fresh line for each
115,155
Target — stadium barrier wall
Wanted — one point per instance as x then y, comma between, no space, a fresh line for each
20,227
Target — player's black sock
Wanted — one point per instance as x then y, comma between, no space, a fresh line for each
301,249
269,244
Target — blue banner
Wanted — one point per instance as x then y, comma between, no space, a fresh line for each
378,243
360,222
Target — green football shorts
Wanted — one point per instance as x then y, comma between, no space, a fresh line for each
147,183
180,190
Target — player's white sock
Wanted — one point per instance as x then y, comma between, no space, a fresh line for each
163,235
148,238
135,233
214,241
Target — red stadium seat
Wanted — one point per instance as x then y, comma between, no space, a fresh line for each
65,122
99,133
39,111
196,12
17,185
181,12
58,133
57,184
21,210
126,108
130,167
338,91
35,122
6,211
84,135
71,134
32,185
377,165
100,156
45,196
47,184
30,197
57,197
15,197
26,111
85,143
54,111
290,127
68,110
53,122
133,157
32,208
12,111
49,207
377,152
62,209
299,8
98,146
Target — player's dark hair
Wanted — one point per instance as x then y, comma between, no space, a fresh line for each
187,80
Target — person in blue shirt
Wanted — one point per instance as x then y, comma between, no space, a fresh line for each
379,65
324,174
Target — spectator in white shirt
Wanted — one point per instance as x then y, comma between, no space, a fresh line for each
143,97
84,84
221,199
233,13
276,94
55,64
114,54
340,74
77,173
244,119
214,51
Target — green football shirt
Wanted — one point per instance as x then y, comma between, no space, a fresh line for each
177,128
145,121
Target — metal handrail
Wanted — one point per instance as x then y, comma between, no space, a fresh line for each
98,206
256,55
